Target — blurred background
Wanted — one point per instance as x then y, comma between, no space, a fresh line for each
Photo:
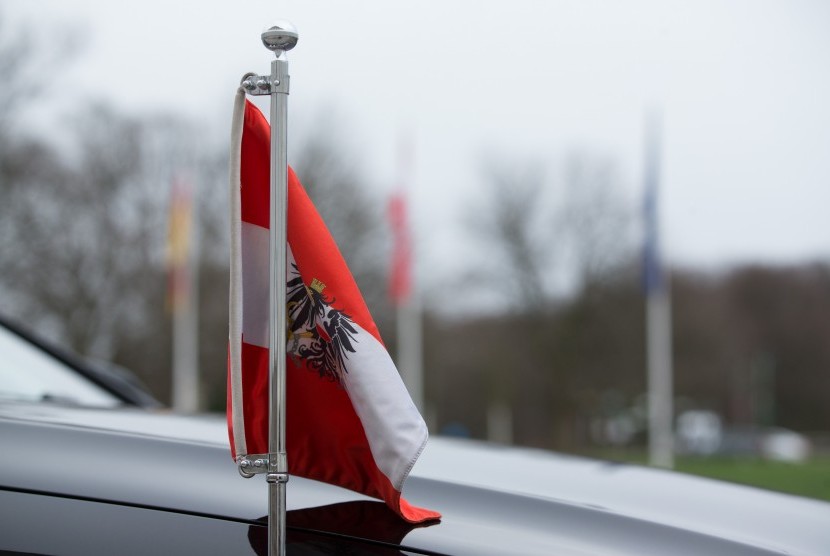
516,188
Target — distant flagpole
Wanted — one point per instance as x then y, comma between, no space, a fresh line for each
182,294
658,312
402,288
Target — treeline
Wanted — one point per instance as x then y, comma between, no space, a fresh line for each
750,343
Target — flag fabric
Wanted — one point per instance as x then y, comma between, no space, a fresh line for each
652,269
349,419
400,273
652,264
178,246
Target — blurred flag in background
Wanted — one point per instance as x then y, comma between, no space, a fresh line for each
400,272
179,245
182,289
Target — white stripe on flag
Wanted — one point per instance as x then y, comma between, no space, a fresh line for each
394,428
255,271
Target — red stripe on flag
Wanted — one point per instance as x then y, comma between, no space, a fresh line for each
349,462
254,399
256,169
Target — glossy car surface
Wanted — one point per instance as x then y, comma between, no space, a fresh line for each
122,480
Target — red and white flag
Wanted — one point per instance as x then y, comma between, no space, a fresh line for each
349,419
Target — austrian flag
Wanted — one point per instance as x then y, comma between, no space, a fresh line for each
349,419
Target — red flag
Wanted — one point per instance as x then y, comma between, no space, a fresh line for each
349,419
400,275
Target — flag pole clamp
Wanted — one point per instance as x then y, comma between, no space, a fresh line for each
253,464
257,464
262,85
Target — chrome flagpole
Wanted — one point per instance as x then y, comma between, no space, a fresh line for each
279,38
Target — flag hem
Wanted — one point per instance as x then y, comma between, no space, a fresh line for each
239,444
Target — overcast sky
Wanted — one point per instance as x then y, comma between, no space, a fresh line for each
742,86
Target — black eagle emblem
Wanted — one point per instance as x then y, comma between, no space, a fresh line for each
318,333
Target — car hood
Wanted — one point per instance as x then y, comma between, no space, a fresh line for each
494,500
746,515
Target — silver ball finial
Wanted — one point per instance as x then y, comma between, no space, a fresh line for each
280,37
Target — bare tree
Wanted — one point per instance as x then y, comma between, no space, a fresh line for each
85,233
22,65
537,234
77,232
594,221
513,224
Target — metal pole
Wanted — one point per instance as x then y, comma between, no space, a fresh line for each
410,337
661,437
658,317
279,38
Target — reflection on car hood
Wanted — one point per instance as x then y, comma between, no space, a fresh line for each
725,510
494,500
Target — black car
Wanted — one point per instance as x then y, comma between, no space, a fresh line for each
101,475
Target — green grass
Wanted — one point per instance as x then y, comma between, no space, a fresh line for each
811,479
